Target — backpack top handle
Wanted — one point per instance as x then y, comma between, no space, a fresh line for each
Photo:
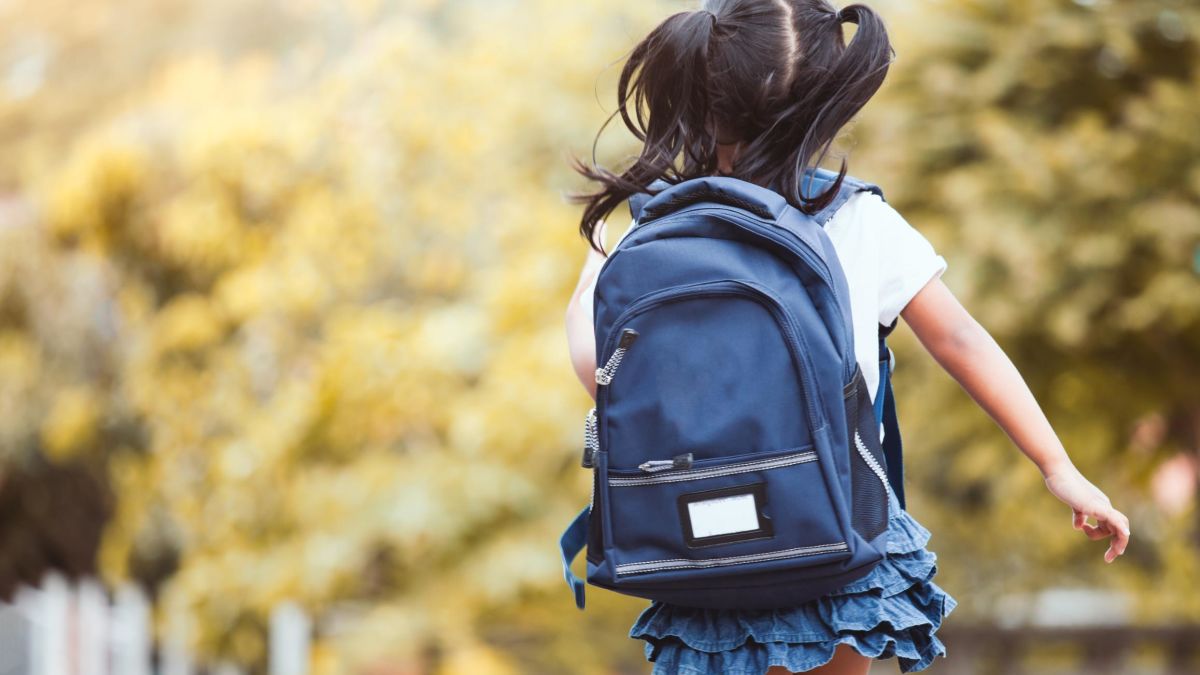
662,197
755,199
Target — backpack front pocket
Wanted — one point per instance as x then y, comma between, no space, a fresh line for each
718,516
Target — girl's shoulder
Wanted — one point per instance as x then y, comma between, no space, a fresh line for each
866,215
881,245
864,209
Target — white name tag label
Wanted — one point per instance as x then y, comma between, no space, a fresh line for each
723,515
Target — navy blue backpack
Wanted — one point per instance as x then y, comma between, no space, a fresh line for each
734,447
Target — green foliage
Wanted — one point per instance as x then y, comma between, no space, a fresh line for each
1049,149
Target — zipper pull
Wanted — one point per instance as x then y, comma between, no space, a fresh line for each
605,375
591,440
683,461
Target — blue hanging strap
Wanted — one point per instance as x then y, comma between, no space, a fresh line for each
574,538
885,413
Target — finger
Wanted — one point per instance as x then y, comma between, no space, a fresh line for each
1078,520
1113,521
1117,546
1124,522
1118,524
1111,554
1102,531
1096,532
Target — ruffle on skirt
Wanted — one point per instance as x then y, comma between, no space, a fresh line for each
892,611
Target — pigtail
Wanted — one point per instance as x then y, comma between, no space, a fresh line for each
667,74
827,98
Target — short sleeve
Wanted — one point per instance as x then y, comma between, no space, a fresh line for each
907,261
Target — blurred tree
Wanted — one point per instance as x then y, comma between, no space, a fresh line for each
1050,149
334,304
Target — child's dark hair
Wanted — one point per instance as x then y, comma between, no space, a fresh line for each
775,75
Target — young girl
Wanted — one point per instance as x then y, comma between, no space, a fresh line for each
758,90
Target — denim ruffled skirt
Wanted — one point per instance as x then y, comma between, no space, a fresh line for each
892,611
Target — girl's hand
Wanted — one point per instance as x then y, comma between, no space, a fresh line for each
1085,500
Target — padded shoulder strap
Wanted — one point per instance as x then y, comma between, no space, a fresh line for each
818,181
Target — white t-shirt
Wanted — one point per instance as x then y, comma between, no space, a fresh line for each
862,231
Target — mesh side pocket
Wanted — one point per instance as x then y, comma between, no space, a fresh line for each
869,510
868,475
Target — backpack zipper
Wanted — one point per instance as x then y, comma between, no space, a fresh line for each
709,462
605,375
683,461
715,471
870,460
591,440
648,566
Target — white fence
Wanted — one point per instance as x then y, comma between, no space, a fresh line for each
64,628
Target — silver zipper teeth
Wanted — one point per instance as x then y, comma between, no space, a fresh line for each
591,437
591,440
714,472
604,376
683,563
870,460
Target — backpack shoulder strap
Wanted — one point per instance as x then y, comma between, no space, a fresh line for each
819,180
885,415
570,543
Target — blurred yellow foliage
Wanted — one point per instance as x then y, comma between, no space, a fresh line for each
337,286
70,424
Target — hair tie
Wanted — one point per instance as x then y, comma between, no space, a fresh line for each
712,15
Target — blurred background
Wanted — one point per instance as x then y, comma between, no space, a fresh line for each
283,373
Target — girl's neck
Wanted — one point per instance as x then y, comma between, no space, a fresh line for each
726,152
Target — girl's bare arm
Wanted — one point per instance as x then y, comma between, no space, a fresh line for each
971,356
581,340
